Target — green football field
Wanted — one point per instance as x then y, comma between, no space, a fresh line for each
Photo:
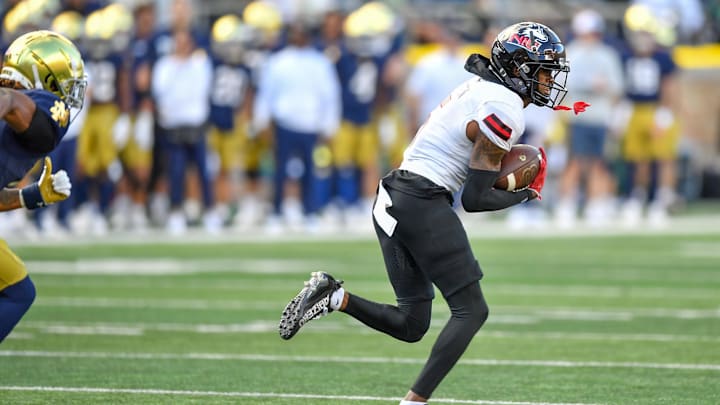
615,319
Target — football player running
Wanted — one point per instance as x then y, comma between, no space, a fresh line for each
42,78
422,239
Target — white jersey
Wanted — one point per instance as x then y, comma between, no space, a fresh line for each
441,151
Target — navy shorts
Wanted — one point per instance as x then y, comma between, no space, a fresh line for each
587,140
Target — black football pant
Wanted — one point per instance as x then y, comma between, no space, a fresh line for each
409,322
428,247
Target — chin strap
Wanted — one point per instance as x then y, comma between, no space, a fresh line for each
36,74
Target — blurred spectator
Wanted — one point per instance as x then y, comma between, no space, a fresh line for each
596,78
181,84
83,7
676,21
299,95
6,37
371,69
24,16
651,139
136,155
355,148
182,18
98,142
228,113
265,22
435,75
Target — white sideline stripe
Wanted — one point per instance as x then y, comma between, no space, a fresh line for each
709,292
84,302
165,266
690,225
260,395
359,360
537,313
136,329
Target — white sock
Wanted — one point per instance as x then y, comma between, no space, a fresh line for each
336,299
404,402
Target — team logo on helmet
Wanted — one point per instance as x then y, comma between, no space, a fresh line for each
529,37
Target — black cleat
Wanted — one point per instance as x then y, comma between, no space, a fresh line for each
312,302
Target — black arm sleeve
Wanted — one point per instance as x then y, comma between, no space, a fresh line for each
40,135
479,194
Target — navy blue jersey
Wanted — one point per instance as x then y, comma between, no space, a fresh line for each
15,161
229,87
140,54
85,8
644,75
358,80
104,75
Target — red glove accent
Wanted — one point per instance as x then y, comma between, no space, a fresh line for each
539,181
561,108
579,107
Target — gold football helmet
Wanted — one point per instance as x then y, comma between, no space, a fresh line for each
369,30
49,61
97,39
230,38
265,18
122,23
69,24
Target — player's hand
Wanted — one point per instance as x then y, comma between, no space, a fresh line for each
537,184
49,189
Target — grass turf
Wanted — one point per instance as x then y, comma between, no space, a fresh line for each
611,320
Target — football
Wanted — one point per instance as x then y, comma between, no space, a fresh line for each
518,168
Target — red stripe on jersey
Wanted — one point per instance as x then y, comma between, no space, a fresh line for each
498,127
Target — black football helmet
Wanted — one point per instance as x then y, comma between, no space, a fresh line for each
520,51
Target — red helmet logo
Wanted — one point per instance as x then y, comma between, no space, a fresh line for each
529,37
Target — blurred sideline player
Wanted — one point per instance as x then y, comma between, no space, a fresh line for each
299,97
422,239
20,17
42,79
356,147
133,130
101,137
183,110
390,114
330,40
653,131
434,75
585,184
230,39
182,18
265,20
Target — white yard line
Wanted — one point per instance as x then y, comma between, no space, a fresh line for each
161,266
355,360
536,313
237,394
196,304
266,326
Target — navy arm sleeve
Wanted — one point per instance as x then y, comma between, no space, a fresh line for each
479,194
